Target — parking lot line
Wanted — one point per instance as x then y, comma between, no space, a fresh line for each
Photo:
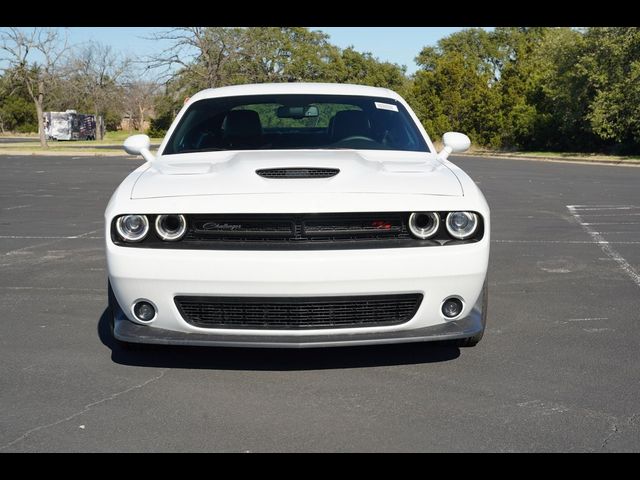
605,245
611,223
603,207
567,242
16,207
52,237
625,214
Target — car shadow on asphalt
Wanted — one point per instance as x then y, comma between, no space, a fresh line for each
220,358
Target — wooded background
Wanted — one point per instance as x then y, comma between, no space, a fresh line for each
542,88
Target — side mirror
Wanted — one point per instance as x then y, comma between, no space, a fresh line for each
139,145
454,142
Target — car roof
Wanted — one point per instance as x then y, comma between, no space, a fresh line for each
295,88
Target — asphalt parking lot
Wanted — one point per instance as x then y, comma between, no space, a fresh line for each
557,370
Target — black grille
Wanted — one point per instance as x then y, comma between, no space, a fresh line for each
303,229
298,313
297,172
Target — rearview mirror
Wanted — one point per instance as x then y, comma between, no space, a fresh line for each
298,112
139,145
454,142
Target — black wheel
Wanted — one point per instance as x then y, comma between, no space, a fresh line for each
473,341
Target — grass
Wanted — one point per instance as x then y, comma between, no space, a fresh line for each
115,140
111,139
24,150
118,136
574,156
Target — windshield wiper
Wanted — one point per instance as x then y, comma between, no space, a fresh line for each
196,150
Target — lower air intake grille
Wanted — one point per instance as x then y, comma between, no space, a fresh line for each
297,172
298,313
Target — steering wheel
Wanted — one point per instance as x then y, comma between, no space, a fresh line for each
356,137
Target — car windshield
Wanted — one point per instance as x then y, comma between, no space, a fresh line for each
292,122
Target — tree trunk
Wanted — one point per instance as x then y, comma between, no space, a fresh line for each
39,101
141,126
99,131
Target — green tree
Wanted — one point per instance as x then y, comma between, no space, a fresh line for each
280,54
561,96
166,106
610,67
455,88
16,107
364,69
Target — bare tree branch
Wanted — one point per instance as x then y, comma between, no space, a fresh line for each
200,54
33,56
94,73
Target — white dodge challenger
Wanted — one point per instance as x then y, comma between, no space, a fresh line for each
297,215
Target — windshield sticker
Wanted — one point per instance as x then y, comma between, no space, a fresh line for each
386,106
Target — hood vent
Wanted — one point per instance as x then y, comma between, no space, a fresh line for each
298,172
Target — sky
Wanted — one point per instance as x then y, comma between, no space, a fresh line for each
394,44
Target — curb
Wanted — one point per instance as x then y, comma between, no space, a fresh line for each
603,162
66,153
17,153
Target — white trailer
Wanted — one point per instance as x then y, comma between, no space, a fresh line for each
69,125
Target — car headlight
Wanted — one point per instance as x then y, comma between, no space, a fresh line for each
171,227
132,228
424,224
462,225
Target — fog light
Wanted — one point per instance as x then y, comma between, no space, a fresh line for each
144,311
452,307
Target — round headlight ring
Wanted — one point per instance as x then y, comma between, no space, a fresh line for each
458,232
424,224
125,224
171,227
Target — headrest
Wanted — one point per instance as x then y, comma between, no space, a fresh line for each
349,123
242,123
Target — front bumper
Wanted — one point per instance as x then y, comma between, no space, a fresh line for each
159,275
471,325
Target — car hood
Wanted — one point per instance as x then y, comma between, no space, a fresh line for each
228,173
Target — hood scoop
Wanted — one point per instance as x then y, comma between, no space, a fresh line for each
298,172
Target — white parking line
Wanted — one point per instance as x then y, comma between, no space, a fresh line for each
593,319
606,246
568,242
86,235
610,223
16,207
74,289
625,214
36,237
603,207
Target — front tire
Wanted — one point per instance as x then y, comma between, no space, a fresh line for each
470,341
474,340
